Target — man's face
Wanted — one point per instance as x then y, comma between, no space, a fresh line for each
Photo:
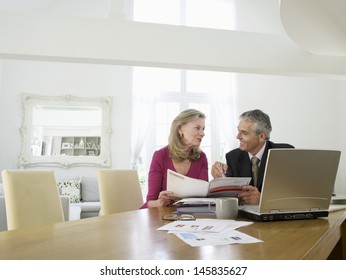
249,140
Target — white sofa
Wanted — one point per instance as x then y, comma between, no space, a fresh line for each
3,220
89,199
83,193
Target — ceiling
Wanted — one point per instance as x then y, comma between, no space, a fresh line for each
318,26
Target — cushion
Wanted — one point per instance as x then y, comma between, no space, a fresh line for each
89,206
90,189
71,188
75,212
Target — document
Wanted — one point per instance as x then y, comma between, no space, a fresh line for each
204,226
205,232
183,186
232,237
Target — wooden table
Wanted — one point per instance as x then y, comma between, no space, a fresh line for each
133,235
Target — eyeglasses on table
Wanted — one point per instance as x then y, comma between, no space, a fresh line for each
178,217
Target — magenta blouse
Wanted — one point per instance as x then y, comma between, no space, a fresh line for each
160,162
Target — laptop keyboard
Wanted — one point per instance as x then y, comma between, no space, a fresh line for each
252,208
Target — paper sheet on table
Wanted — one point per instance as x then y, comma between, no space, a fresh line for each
210,239
204,226
336,207
203,232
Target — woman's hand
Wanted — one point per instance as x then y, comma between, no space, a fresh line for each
165,198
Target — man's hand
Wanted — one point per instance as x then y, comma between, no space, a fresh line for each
218,169
249,195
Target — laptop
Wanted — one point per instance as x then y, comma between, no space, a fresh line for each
297,184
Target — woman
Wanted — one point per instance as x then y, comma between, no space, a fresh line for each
182,155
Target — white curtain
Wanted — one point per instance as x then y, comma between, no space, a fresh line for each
225,110
144,102
148,84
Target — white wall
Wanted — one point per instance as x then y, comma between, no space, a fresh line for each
302,109
306,112
120,42
258,16
59,79
339,132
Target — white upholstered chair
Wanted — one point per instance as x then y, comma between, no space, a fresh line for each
119,191
32,198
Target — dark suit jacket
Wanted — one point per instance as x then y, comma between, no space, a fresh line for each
239,164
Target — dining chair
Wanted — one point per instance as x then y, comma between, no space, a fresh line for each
119,191
32,198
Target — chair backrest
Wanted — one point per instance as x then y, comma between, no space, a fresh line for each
119,191
32,198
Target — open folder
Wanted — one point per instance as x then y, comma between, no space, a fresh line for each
183,186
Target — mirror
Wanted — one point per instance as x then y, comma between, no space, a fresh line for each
65,131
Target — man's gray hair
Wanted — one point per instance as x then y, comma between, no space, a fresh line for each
261,121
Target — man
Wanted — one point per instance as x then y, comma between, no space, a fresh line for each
253,133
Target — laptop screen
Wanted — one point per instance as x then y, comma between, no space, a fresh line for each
298,180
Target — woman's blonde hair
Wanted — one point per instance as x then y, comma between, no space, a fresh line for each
176,147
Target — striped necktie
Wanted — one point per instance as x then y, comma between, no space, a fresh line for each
254,162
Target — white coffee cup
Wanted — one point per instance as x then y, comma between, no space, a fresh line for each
225,207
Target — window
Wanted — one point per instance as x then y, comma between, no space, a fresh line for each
159,94
218,14
162,93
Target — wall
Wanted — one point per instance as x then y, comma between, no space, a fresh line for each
258,16
305,107
60,79
339,133
306,112
300,107
120,42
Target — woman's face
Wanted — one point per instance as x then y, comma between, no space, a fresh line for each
193,132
